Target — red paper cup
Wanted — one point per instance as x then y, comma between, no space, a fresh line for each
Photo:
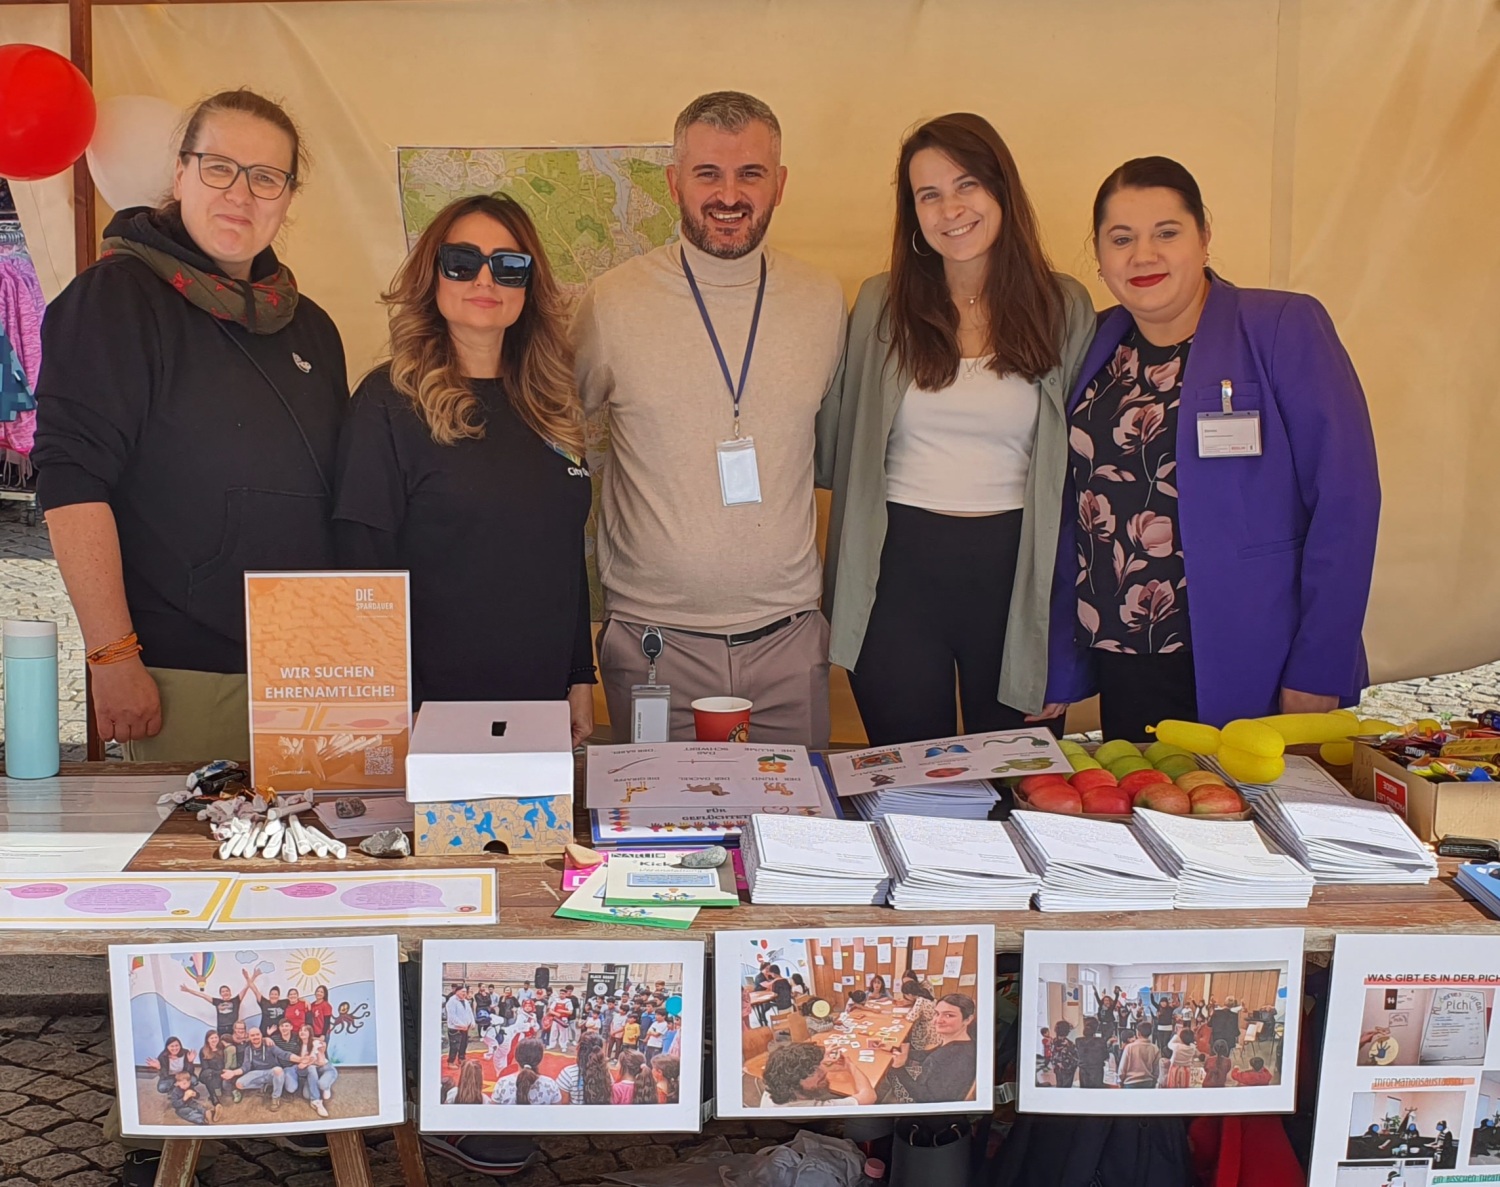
722,719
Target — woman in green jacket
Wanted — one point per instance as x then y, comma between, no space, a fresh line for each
944,441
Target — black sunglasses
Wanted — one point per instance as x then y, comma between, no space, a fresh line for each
459,261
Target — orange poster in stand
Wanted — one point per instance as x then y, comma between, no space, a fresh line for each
329,676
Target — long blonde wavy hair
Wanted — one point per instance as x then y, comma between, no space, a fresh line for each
536,360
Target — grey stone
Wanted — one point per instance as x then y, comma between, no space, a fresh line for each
78,1024
77,1135
564,1145
38,1118
318,1178
391,842
87,1105
88,1179
54,1166
349,808
282,1165
29,1053
24,1150
22,1024
585,1167
618,1141
12,1077
641,1157
704,859
11,1100
227,1168
49,1088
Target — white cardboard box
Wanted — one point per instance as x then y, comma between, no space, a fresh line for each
485,750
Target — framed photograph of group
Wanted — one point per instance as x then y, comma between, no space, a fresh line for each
256,1037
1127,1023
829,1023
611,1032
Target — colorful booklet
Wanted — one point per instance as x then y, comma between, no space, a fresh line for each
587,903
657,880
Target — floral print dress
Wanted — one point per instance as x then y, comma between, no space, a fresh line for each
1132,586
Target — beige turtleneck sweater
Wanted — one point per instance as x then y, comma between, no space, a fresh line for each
670,553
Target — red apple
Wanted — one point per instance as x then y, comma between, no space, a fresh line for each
1137,781
1088,780
1057,799
1106,801
1216,801
1162,797
1034,783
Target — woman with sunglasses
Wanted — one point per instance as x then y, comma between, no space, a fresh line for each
462,463
188,416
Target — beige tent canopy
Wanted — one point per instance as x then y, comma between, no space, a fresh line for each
1347,148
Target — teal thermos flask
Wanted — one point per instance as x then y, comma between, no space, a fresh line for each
29,651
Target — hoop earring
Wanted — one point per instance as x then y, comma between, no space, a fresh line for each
914,248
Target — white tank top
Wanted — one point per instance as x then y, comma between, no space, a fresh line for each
967,447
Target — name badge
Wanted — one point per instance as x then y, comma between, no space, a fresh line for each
739,475
1228,433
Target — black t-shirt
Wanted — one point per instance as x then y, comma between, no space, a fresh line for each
271,1014
228,1011
491,531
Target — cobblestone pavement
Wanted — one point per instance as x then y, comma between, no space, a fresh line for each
31,588
57,1080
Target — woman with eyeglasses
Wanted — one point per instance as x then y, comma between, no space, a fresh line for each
462,462
189,407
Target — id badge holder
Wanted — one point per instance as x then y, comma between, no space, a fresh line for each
739,473
650,713
1228,433
651,703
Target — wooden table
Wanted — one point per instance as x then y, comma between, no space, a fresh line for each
530,891
840,1083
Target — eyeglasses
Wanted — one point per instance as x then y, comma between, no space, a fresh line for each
461,261
221,173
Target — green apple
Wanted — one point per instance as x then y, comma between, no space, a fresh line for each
1082,762
1177,764
1121,767
1159,750
1118,748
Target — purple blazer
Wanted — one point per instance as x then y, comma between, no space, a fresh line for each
1278,548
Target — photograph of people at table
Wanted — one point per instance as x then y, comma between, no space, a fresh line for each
877,1021
256,1039
1144,1026
1410,1124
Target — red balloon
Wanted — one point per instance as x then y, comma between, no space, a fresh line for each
46,112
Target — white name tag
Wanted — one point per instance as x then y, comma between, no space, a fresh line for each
739,475
1229,434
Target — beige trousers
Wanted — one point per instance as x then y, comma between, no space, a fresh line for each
204,716
785,676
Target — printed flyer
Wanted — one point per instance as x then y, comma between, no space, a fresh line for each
1410,1088
329,674
667,781
1001,754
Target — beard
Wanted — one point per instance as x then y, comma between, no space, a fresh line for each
697,230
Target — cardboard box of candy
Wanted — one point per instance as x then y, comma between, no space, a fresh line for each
1444,782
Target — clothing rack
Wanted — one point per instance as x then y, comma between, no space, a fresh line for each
17,477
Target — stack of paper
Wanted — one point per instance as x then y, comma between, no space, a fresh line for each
955,863
1301,774
1342,839
658,880
805,859
587,903
1481,882
1091,865
965,800
1222,863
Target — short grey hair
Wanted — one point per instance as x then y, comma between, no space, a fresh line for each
727,111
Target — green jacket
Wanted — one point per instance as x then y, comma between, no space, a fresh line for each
854,425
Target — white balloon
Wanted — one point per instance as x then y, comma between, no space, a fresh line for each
134,150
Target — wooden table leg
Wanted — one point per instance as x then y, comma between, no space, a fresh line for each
409,1151
179,1159
351,1163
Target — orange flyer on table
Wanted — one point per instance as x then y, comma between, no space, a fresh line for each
329,677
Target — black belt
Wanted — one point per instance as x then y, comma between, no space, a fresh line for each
754,636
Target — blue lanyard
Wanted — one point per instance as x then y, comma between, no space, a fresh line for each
735,393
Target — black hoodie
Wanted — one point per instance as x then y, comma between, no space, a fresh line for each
213,464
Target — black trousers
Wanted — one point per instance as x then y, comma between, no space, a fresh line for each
1139,690
940,607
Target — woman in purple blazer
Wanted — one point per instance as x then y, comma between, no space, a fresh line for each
1209,567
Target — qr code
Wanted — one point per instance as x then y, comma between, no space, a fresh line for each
380,760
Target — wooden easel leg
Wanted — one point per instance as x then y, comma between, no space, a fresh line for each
351,1163
409,1151
179,1159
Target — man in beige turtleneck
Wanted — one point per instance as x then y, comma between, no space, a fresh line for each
731,582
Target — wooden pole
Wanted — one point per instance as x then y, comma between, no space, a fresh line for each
179,1159
351,1163
85,241
409,1151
